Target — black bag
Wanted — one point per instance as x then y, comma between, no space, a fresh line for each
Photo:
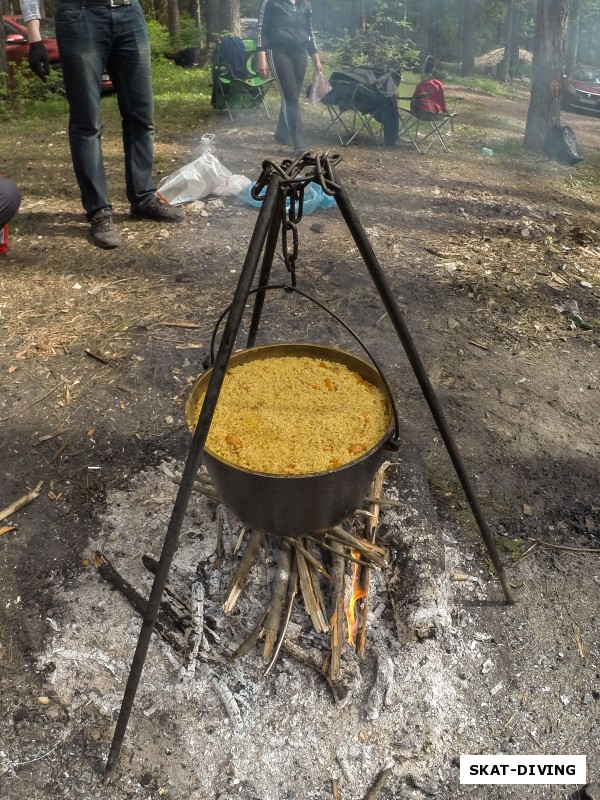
561,145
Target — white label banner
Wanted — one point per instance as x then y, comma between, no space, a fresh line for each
523,769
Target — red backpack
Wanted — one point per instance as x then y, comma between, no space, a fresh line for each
432,97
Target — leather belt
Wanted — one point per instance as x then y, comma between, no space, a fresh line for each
107,3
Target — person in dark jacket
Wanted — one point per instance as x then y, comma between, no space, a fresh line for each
10,200
284,40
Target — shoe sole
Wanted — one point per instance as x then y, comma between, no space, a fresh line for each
137,215
105,246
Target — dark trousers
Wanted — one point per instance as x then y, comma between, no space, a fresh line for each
10,200
289,70
92,38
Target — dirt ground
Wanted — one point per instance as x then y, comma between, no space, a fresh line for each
495,263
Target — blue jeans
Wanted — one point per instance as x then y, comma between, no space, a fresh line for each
92,38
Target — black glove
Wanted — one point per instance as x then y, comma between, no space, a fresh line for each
38,59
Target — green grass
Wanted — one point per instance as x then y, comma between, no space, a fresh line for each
479,83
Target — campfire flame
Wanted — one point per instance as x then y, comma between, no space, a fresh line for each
354,614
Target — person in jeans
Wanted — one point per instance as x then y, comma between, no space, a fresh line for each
94,35
284,38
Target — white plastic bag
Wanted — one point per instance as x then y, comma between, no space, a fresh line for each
319,87
194,181
232,186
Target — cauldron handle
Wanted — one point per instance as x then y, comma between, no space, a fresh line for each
394,441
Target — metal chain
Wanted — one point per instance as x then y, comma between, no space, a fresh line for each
296,175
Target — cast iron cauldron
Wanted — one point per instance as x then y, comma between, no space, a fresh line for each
294,505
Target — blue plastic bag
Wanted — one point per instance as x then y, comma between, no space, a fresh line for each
314,197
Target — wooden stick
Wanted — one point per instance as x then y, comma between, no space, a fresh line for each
195,631
363,576
291,598
27,498
380,782
338,616
280,585
201,484
176,609
243,570
315,612
223,529
384,501
562,546
374,564
295,543
357,543
250,642
314,577
137,601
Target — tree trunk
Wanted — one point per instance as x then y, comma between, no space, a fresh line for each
358,13
424,30
468,37
212,19
514,62
503,66
547,69
174,23
573,36
3,64
230,17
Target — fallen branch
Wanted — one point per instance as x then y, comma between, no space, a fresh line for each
27,498
192,325
565,546
195,631
137,601
380,782
35,402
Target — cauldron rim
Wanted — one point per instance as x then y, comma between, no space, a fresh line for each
281,349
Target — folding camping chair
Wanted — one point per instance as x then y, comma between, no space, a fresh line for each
428,109
236,84
363,99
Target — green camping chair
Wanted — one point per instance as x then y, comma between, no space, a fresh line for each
236,84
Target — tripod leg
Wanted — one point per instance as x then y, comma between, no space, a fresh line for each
416,363
265,272
191,467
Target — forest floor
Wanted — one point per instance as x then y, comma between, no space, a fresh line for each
495,263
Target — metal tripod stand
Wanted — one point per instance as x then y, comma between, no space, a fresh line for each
283,182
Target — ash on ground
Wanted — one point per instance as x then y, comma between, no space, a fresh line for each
448,669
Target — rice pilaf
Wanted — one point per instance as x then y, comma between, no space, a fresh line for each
295,415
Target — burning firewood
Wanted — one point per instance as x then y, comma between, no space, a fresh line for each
337,618
362,577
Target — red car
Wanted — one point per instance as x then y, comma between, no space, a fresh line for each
582,89
17,47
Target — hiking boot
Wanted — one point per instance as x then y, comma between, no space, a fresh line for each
155,208
103,231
